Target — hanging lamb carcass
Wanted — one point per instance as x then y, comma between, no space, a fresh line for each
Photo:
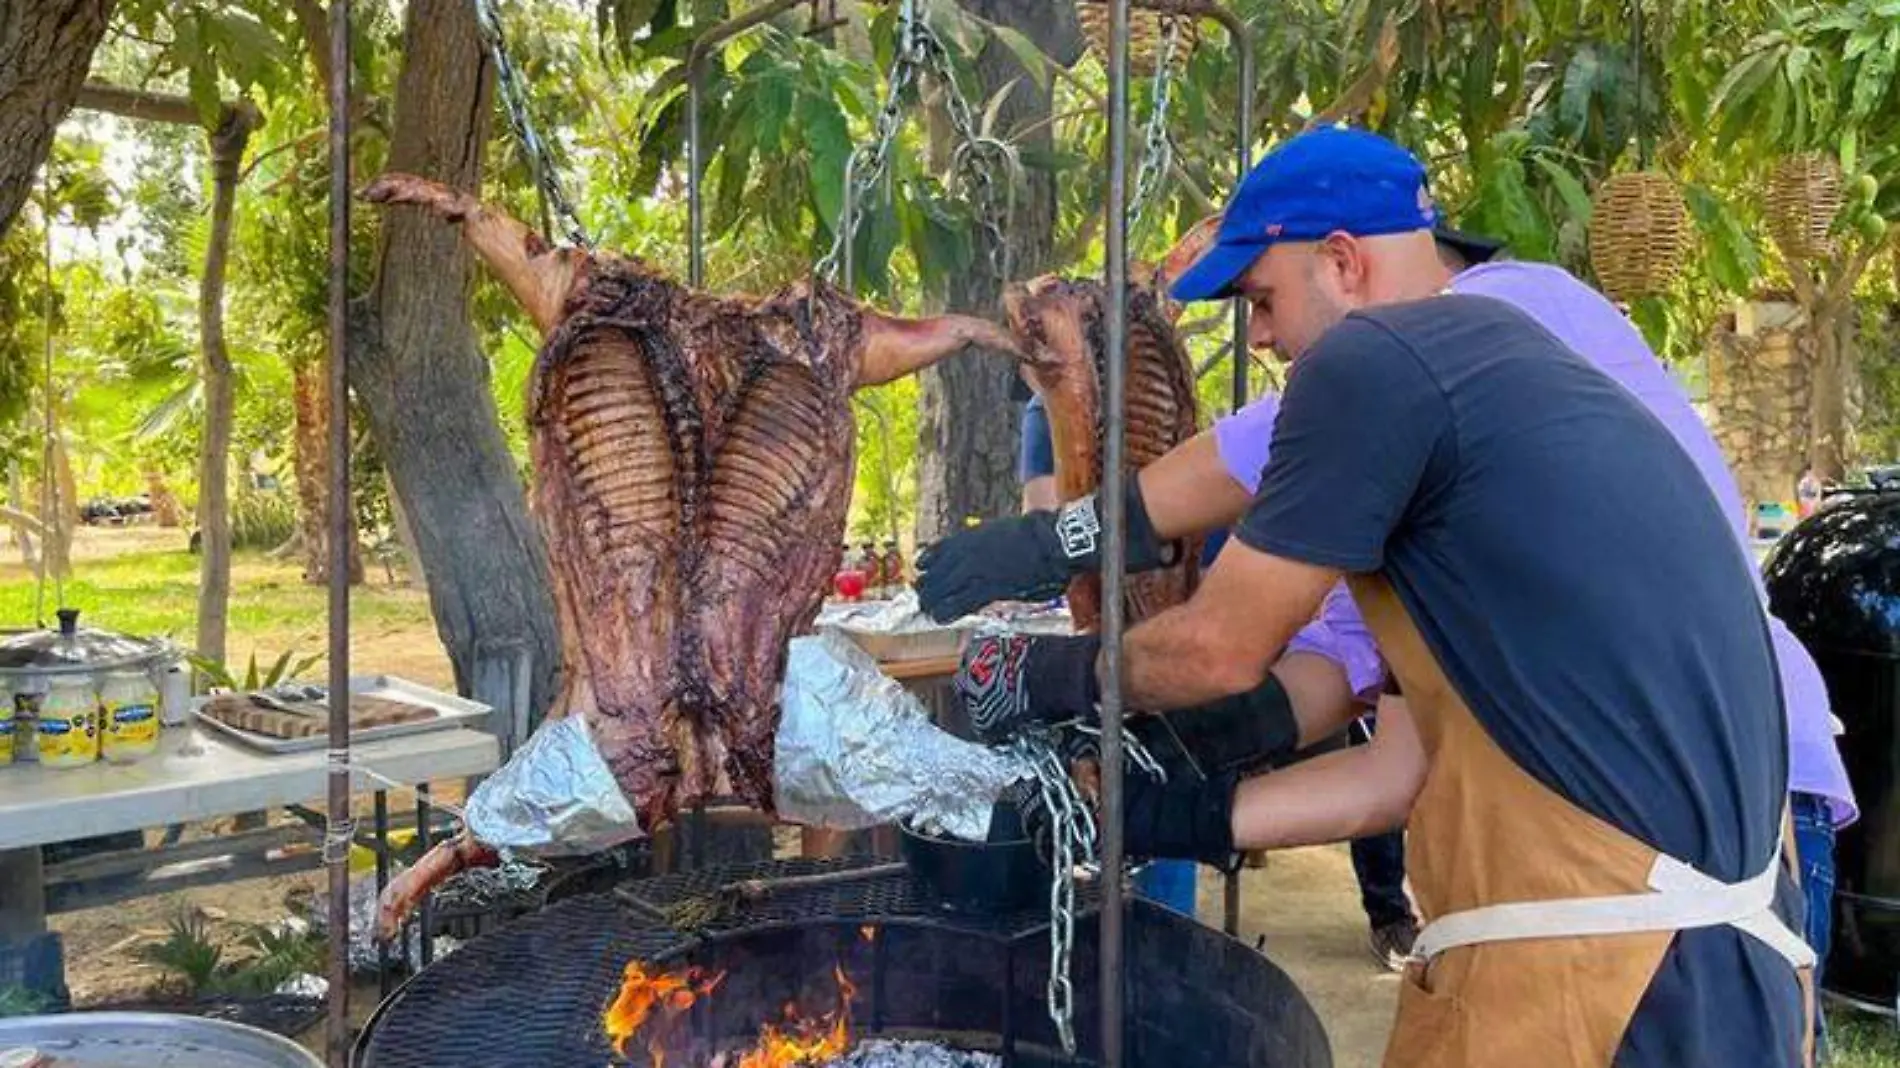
692,463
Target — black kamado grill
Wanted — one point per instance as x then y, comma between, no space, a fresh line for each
1835,580
533,992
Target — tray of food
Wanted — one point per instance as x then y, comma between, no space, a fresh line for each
294,718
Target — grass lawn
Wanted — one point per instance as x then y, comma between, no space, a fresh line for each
141,580
1859,1040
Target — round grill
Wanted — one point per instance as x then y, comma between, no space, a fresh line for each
1639,234
1804,196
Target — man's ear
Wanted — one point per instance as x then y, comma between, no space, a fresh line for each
1346,256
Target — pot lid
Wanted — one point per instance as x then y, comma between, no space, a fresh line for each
73,648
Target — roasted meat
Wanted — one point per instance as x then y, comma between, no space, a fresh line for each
1061,325
693,461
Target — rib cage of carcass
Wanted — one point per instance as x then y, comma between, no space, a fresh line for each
693,466
1061,325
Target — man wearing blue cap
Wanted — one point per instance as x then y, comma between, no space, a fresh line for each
1595,775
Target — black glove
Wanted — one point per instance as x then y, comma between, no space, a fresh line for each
1180,819
1008,681
1031,556
1242,733
1176,820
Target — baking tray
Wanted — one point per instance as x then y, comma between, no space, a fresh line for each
451,711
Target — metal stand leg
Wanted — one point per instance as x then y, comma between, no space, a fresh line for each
427,911
382,883
1230,893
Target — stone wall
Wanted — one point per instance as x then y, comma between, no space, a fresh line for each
1761,361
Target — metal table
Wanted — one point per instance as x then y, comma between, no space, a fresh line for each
40,806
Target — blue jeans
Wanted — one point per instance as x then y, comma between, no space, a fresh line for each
1814,846
1168,883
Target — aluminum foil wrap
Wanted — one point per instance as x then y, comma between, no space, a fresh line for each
857,750
555,797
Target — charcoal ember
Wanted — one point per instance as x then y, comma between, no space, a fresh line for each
887,1053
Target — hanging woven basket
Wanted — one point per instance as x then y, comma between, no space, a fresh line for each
1639,234
1147,33
1804,196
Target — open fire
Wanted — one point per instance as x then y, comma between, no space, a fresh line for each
652,1003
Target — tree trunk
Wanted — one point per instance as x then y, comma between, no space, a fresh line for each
405,537
426,387
968,427
214,460
1834,349
310,454
46,48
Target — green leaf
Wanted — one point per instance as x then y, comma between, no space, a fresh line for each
1863,39
1850,151
1871,81
1035,61
1576,199
202,84
1734,259
828,140
1651,316
276,674
250,674
771,105
1739,86
1052,160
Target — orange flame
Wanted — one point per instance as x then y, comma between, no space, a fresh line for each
805,1040
672,993
659,998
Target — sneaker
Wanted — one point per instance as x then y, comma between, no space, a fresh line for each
1391,944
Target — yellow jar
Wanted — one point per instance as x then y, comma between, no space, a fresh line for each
128,716
7,735
67,729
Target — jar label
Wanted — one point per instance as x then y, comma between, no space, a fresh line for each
132,725
67,739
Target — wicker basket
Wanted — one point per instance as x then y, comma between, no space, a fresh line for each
1147,33
1639,234
1804,196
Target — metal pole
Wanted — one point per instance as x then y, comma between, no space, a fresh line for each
1115,536
1243,162
337,833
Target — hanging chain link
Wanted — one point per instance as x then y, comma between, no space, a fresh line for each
514,95
1157,153
919,51
1073,837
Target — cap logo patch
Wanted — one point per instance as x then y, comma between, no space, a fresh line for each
1275,229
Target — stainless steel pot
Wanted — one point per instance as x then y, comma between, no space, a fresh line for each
149,1040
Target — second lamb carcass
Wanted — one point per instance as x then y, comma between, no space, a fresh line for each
1062,325
693,465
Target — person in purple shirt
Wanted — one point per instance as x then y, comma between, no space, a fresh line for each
1209,481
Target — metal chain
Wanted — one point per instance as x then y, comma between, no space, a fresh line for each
1157,152
1073,839
919,51
864,177
514,95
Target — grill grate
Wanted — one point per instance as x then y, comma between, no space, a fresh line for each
532,992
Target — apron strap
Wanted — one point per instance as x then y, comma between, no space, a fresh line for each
1680,898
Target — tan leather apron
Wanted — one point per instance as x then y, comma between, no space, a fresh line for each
1544,924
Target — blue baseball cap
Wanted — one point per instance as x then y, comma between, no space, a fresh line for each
1324,181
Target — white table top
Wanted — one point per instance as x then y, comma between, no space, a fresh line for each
42,805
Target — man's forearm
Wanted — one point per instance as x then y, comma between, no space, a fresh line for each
1351,793
1189,491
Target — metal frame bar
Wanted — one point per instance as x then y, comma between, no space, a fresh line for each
695,165
337,834
1115,461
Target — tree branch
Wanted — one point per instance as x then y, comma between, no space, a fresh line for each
138,104
1357,97
1841,287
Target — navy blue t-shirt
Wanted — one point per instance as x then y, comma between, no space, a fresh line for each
1569,569
1038,454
